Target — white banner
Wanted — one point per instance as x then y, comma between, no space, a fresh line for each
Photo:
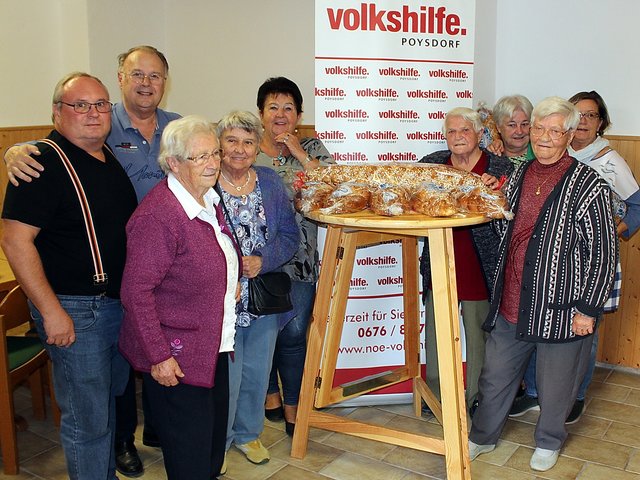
386,74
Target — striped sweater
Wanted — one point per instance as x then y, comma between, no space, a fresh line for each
570,259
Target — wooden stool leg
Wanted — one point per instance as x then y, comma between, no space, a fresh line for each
315,343
445,301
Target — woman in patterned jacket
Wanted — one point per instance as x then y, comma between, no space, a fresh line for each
555,271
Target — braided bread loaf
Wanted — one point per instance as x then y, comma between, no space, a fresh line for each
432,189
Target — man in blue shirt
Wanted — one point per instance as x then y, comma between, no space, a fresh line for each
138,123
136,127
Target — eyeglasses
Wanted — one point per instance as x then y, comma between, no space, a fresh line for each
204,157
538,131
154,78
590,115
85,107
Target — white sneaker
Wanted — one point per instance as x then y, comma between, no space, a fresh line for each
543,459
475,450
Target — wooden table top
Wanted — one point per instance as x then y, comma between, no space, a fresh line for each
367,219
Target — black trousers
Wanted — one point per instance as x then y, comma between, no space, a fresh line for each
127,412
192,424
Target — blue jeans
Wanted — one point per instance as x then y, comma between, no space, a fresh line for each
87,376
291,346
530,373
249,369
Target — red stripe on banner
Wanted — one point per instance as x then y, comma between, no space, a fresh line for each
380,296
412,60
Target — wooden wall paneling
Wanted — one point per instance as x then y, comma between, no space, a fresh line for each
12,135
304,131
630,318
610,329
620,332
629,341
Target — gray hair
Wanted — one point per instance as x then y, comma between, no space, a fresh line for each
468,114
560,106
507,105
143,48
58,90
176,136
242,119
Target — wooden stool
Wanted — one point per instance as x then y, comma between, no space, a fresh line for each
345,234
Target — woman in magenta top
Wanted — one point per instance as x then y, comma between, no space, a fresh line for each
179,291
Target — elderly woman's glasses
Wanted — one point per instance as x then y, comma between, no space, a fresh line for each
138,77
204,157
589,115
85,107
538,131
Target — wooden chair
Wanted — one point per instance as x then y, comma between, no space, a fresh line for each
22,358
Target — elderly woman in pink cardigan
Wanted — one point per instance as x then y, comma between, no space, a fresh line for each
179,291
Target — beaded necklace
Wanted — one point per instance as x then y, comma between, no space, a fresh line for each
238,188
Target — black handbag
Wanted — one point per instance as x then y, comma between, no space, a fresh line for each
270,292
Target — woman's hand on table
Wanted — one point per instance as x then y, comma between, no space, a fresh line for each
251,266
491,181
167,373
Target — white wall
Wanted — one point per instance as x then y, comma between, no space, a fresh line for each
220,52
40,41
550,47
116,26
223,55
484,70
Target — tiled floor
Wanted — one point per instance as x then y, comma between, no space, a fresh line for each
604,444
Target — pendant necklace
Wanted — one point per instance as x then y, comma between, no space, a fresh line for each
541,185
280,160
549,172
238,188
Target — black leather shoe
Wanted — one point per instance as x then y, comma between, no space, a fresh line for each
289,427
150,439
128,461
274,414
473,408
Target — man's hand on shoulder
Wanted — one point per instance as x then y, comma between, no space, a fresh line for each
21,165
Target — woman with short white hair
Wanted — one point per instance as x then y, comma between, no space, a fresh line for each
556,265
179,291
